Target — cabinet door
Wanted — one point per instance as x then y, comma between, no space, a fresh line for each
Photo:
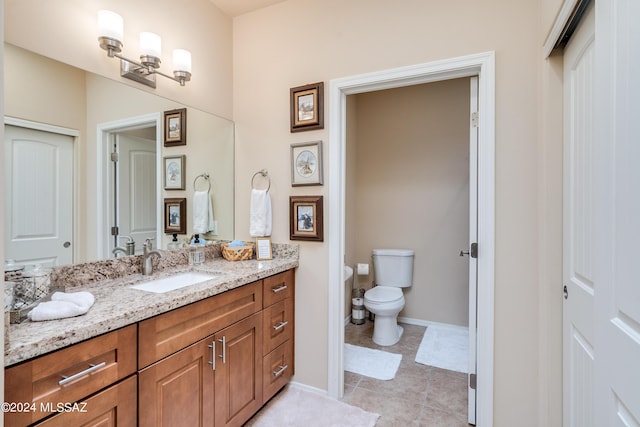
238,375
115,406
178,390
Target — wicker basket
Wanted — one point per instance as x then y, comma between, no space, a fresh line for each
238,253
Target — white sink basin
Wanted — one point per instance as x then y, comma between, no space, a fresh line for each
171,283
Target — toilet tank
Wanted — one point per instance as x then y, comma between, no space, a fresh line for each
393,267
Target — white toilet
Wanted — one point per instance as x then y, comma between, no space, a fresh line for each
393,269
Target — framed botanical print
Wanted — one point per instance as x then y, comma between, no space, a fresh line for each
174,172
307,107
306,163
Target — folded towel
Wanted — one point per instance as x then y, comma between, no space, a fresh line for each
236,244
260,214
62,305
202,212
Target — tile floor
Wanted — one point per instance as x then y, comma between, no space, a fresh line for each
418,396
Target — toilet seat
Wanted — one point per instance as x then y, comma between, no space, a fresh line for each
383,294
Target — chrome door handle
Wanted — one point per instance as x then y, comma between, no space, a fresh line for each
463,253
212,346
279,289
87,371
223,356
280,326
280,370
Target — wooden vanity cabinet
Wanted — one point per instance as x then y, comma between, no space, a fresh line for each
278,332
213,362
69,376
169,332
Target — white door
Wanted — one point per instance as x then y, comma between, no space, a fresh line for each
617,217
135,199
579,285
473,239
38,196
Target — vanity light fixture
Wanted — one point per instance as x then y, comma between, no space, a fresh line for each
110,35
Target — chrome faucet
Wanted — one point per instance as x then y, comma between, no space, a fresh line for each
130,247
147,266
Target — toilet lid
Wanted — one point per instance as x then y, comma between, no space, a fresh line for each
383,294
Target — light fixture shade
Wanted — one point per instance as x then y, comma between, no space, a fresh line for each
182,60
110,25
150,45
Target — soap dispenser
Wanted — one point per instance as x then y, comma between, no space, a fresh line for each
174,244
196,252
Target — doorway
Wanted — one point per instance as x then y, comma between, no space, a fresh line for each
481,65
129,193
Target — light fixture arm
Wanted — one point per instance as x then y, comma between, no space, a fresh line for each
145,70
180,76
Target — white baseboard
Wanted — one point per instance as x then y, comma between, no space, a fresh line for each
419,322
309,388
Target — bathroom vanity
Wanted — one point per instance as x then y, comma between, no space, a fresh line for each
208,354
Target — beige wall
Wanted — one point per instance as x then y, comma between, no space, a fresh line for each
304,41
411,191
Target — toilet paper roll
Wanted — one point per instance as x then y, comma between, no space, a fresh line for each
363,269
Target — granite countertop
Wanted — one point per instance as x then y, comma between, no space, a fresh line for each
117,305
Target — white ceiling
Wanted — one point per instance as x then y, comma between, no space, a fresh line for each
238,7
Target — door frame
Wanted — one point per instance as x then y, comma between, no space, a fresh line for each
483,66
104,132
75,134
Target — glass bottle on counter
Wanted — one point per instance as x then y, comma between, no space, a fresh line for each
196,252
174,244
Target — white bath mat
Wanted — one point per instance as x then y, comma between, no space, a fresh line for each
445,347
295,407
372,363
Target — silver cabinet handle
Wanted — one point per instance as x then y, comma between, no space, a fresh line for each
223,356
90,369
280,326
280,371
212,346
279,289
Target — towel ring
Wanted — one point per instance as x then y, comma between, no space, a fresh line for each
264,174
204,176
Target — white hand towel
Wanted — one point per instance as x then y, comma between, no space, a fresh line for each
260,214
202,212
62,305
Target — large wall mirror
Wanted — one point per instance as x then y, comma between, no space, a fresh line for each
61,173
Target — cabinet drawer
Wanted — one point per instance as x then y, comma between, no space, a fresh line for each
115,406
170,332
278,287
69,374
277,324
277,369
